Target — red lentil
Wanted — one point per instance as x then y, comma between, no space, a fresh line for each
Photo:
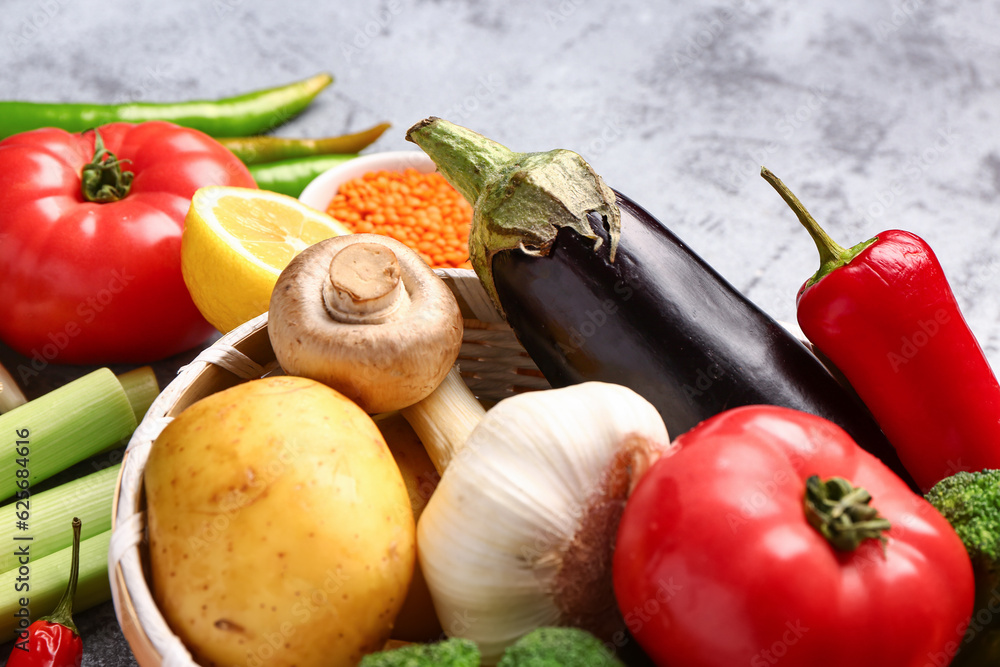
421,210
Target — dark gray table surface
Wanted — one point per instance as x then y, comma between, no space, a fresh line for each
879,114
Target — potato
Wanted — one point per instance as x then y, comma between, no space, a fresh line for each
280,527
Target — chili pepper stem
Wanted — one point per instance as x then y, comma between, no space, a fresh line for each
63,613
832,255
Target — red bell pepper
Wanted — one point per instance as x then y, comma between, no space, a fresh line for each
770,537
884,314
53,641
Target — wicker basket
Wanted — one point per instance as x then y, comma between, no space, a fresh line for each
492,362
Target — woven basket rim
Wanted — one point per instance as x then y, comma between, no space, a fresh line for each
149,636
495,361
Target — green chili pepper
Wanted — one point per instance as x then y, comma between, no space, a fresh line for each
262,149
290,177
251,113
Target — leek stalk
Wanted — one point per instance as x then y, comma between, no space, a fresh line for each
65,426
47,578
44,516
141,387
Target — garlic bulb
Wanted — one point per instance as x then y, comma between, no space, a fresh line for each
521,528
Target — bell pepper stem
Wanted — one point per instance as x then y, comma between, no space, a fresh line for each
63,613
102,179
842,513
832,255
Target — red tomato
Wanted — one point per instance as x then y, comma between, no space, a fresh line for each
88,282
717,565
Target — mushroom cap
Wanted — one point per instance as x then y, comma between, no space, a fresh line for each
381,367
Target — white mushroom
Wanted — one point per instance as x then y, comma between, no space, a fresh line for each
365,315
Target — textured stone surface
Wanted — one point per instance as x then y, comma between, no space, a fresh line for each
878,115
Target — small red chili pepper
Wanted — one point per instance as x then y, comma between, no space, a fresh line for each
53,641
885,315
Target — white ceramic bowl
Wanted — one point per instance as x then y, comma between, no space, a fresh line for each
321,189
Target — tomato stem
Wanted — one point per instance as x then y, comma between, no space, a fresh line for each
842,513
102,179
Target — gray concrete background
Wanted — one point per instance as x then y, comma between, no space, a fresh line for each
878,114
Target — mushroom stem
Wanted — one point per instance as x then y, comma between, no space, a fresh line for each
444,420
364,285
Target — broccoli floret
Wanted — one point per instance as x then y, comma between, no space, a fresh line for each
971,503
559,647
453,652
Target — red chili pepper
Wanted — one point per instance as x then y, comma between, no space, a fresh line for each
53,641
884,314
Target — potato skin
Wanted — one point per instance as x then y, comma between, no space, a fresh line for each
280,527
417,620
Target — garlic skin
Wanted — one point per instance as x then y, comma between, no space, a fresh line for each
534,482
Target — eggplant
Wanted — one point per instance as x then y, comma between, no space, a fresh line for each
596,288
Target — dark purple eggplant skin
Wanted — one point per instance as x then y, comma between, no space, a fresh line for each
663,322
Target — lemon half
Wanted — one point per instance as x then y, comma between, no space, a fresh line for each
236,242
